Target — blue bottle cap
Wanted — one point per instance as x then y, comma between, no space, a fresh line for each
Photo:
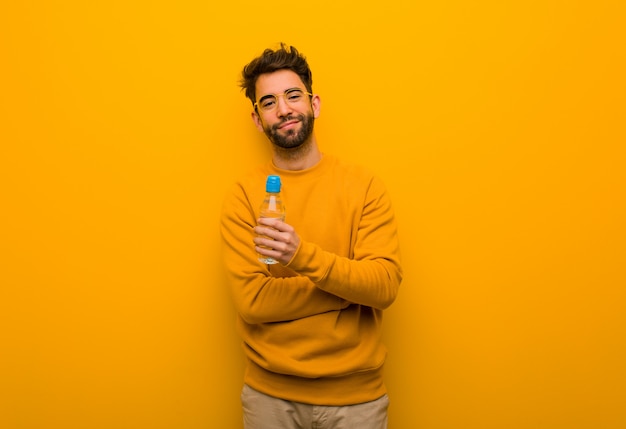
272,184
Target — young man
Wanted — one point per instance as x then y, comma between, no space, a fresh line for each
311,325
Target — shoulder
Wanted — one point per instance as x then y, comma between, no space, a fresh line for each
250,186
252,179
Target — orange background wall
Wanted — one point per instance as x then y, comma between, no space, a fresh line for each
497,126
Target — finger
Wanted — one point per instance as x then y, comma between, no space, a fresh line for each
270,243
267,232
268,221
265,242
274,223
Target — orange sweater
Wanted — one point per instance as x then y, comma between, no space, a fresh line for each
311,330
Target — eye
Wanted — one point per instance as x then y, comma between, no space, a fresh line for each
267,103
294,95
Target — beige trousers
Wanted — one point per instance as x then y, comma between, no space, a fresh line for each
261,411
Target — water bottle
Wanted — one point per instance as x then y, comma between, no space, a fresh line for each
272,207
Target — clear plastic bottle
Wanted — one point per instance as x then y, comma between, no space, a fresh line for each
272,207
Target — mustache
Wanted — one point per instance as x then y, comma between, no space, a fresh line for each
287,119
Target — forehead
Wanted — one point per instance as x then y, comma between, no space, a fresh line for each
277,82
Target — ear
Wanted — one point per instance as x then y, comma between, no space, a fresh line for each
257,121
316,105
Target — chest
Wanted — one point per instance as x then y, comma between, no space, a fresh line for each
325,213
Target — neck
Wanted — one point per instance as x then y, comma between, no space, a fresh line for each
299,158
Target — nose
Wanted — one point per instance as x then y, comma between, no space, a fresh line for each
283,108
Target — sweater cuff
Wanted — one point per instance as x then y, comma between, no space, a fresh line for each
309,260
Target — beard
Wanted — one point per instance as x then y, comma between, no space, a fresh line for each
293,138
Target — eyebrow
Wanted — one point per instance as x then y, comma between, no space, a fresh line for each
265,96
274,95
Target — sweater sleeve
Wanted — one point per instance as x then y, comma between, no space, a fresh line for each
373,275
259,296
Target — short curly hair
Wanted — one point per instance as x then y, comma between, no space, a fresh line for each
285,57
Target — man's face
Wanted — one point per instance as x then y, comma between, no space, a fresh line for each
286,124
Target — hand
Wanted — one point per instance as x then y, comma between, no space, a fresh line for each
276,239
